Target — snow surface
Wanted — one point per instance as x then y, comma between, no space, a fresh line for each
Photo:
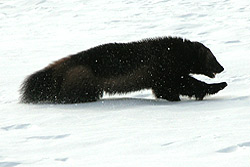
133,129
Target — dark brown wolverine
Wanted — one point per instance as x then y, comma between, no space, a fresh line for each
161,64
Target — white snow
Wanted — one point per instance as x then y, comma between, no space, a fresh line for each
133,129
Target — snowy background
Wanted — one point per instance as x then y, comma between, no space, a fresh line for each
133,129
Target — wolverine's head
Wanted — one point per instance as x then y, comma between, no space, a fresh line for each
204,61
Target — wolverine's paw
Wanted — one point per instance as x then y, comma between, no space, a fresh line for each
209,90
214,88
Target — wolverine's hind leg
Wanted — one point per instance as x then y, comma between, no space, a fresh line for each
79,85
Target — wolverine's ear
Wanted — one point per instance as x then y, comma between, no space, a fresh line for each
199,47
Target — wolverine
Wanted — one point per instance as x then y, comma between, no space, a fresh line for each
163,64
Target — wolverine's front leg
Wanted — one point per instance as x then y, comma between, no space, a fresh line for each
166,93
192,87
166,90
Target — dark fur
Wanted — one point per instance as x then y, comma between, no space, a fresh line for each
161,64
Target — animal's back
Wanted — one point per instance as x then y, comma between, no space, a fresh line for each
114,59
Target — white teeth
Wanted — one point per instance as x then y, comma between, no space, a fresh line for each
214,75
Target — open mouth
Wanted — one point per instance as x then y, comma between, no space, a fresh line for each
212,71
211,74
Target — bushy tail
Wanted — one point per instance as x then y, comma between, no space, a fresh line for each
41,86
